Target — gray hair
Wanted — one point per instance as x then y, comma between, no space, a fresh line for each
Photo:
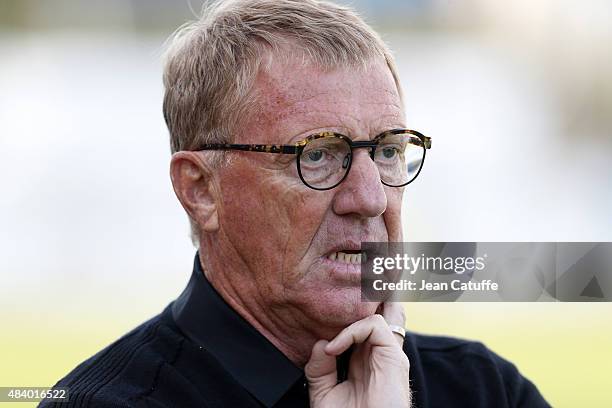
212,63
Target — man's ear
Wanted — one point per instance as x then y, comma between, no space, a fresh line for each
194,185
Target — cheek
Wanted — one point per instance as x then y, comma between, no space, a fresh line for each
305,211
243,214
252,225
270,219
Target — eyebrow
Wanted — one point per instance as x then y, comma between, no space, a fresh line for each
294,148
344,131
322,129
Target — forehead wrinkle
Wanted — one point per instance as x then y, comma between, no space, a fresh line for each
274,93
276,108
349,122
386,109
277,95
324,120
282,106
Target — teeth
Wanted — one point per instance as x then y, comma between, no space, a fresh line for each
346,258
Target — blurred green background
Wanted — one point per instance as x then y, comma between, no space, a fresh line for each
563,348
517,97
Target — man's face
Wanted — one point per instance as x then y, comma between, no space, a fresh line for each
278,234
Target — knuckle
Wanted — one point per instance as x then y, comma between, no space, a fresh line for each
378,320
308,369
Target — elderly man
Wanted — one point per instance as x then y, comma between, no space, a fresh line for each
290,148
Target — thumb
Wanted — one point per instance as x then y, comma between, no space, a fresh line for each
320,372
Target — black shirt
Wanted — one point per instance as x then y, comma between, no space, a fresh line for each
200,353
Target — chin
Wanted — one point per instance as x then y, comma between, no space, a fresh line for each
338,308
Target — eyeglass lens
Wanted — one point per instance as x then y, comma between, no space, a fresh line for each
324,162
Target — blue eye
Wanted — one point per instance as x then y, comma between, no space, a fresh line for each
315,155
389,152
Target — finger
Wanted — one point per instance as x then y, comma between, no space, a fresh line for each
394,314
374,329
320,371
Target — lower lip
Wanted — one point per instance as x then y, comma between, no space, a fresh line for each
344,271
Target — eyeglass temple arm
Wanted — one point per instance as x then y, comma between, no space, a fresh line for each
283,149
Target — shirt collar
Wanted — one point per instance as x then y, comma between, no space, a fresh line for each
202,314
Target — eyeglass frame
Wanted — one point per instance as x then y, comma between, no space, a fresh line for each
299,146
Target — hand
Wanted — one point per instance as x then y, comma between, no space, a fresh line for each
378,368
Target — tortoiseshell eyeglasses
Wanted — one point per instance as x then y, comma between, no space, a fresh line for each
324,159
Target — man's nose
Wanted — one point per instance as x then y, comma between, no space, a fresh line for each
361,192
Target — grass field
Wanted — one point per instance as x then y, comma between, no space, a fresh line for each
565,349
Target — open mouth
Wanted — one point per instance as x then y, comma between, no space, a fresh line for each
347,256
